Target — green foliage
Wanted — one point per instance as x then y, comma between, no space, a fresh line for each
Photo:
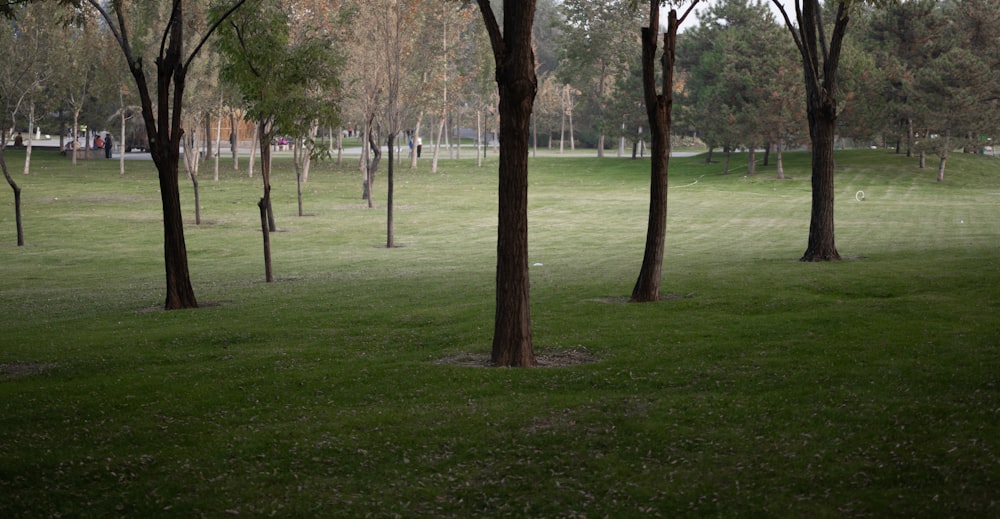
766,386
287,80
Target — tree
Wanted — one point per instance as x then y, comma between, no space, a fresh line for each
820,63
162,119
517,84
595,40
658,106
277,76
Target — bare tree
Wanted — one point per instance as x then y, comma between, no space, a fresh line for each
162,119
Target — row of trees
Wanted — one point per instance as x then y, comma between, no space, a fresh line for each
296,67
922,76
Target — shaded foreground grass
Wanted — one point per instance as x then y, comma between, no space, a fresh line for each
766,386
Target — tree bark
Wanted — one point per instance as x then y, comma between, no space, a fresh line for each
390,238
17,199
517,84
658,106
820,61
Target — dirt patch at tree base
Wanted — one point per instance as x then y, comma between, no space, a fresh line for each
548,359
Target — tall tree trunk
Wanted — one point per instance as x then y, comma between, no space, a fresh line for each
752,160
390,238
515,76
658,106
600,145
822,126
820,61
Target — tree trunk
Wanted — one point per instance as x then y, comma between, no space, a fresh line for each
923,159
297,161
121,144
373,166
780,166
263,204
234,141
909,137
254,141
76,128
515,76
658,106
29,145
437,146
479,139
390,240
944,159
752,160
218,148
17,198
600,145
820,61
822,126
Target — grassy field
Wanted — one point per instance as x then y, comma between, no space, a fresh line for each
353,386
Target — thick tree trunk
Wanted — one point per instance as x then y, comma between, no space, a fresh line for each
600,146
752,160
822,126
515,75
658,106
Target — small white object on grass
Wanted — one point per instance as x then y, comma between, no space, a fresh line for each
537,265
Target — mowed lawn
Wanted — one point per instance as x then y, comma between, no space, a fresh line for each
354,386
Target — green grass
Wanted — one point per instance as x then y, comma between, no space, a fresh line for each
766,387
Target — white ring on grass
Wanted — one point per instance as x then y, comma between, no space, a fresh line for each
859,196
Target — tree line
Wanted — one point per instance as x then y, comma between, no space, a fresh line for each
919,74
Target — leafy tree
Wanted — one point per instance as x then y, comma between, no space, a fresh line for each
595,42
517,84
277,77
